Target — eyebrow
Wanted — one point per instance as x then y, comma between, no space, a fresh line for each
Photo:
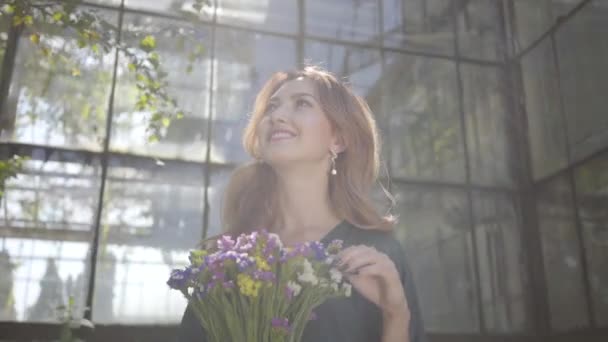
293,96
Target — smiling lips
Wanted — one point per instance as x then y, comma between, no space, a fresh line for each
281,134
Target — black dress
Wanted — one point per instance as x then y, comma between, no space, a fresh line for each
354,318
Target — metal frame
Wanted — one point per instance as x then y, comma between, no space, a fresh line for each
526,191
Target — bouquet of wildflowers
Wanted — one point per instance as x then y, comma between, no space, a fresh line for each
253,289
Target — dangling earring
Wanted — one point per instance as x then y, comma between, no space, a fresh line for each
334,155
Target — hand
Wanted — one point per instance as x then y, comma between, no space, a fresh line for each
374,275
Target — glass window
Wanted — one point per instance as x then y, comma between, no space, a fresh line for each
436,232
545,121
59,99
244,61
183,8
152,216
46,224
188,80
582,49
561,256
422,25
592,191
218,183
489,126
535,17
420,101
478,30
346,20
272,15
501,262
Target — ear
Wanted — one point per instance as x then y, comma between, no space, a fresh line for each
338,144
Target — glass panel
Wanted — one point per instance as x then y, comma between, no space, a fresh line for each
424,122
61,99
478,30
4,29
501,262
219,180
152,215
348,20
435,229
545,122
272,15
361,68
182,8
423,25
583,52
592,190
185,138
488,124
535,17
46,223
561,256
244,61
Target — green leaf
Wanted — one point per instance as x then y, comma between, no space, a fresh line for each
132,67
57,16
28,20
86,111
179,115
35,38
153,138
10,9
166,122
148,43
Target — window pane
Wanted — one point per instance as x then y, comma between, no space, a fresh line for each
583,52
172,7
592,190
152,215
419,25
244,61
61,99
46,225
545,122
347,20
185,138
535,17
478,30
219,180
4,29
501,262
421,103
273,15
488,124
561,256
435,229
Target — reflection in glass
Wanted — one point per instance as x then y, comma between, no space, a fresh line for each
545,122
244,61
188,83
501,262
181,8
61,99
420,99
535,17
272,15
152,215
435,230
582,49
478,30
592,195
419,25
348,20
561,256
46,225
488,124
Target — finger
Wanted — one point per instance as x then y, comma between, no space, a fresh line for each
351,253
362,258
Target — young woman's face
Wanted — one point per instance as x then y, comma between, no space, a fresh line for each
294,127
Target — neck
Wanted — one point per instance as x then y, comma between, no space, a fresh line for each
306,208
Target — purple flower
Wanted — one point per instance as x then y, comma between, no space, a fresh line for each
318,249
179,278
263,275
280,322
229,284
225,243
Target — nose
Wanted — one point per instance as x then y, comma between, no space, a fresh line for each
279,114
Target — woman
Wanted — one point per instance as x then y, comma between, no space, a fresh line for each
317,155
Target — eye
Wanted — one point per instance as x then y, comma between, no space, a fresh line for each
303,103
270,108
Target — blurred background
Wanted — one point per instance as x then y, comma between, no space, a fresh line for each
493,115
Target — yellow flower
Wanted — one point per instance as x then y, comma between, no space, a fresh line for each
248,286
262,264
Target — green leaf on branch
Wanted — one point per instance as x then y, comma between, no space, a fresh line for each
148,43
